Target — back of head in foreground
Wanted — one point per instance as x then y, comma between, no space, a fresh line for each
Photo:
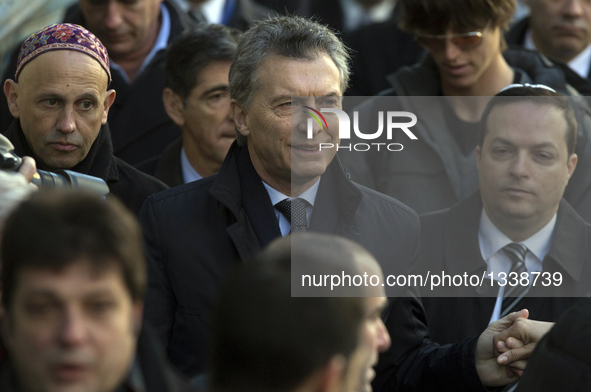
14,188
265,340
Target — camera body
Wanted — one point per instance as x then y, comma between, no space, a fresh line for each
9,161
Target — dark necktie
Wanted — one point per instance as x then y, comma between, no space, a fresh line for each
197,15
294,211
513,296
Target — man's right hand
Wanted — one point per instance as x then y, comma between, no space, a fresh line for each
504,347
491,372
518,342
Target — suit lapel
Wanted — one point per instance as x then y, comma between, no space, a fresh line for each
240,189
168,168
256,202
462,249
569,241
336,203
326,210
462,255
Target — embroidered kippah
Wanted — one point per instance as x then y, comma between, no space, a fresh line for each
62,36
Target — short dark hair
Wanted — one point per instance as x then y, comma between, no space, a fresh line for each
54,228
265,340
288,36
194,50
538,95
436,16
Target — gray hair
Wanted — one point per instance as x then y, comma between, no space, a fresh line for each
288,36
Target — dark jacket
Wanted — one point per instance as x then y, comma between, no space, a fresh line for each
433,173
516,35
247,13
167,168
562,359
140,127
128,184
158,375
450,243
196,232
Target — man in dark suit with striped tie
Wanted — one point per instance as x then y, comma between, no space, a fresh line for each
516,228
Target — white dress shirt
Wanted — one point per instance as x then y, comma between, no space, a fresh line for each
309,195
580,64
492,241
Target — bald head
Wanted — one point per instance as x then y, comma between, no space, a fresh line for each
61,100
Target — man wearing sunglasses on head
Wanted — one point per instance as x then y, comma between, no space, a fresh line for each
467,58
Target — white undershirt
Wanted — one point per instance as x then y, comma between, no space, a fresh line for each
492,241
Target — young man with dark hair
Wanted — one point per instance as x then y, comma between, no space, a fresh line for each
73,280
467,64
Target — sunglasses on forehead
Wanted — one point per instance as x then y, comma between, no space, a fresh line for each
462,41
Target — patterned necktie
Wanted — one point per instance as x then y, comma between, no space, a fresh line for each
513,295
294,211
197,15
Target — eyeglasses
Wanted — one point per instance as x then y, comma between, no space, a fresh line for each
462,41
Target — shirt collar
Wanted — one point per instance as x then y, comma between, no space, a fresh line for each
189,172
309,195
160,44
492,239
579,64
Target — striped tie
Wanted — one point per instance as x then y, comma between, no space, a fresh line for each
513,295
